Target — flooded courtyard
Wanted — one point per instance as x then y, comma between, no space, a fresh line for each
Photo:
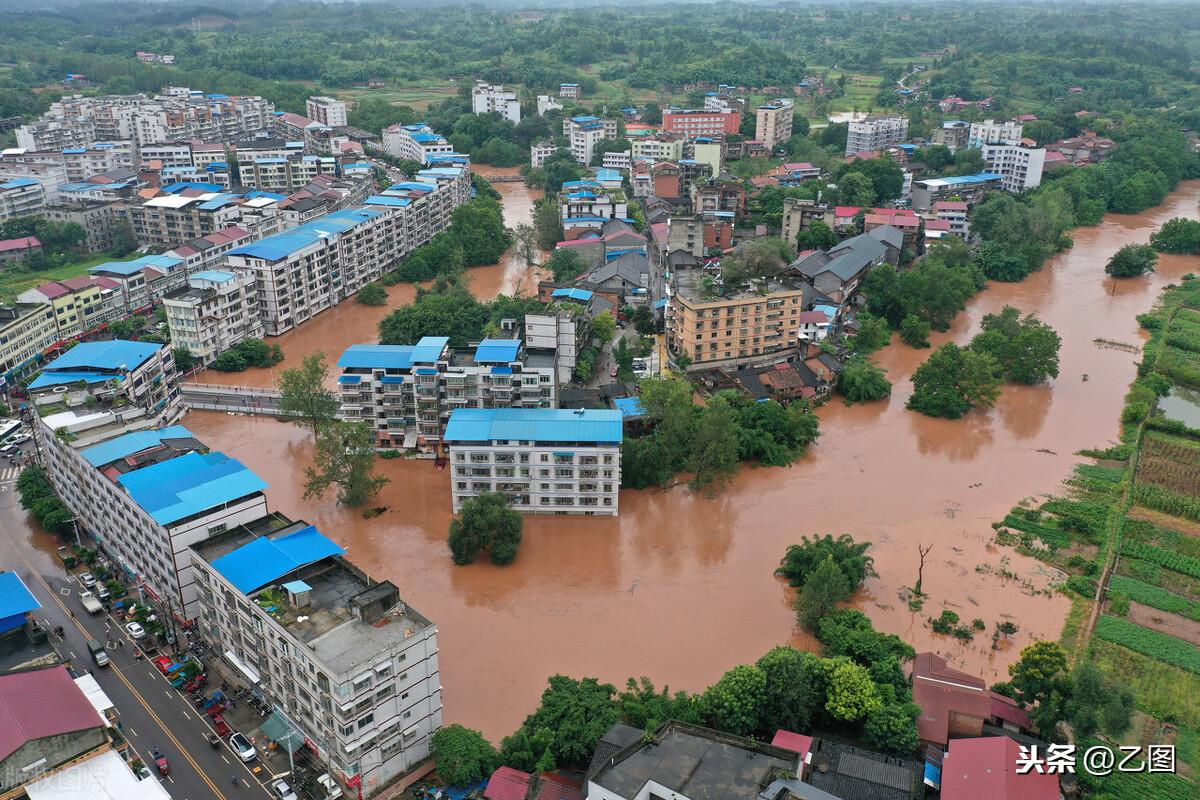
679,587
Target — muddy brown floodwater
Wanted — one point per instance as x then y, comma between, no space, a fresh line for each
350,322
679,587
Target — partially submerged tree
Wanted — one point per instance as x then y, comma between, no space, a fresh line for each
303,396
345,458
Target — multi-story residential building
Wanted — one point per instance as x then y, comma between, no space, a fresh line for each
415,142
618,161
585,205
835,274
344,662
21,197
546,103
541,151
953,212
724,100
659,148
285,174
208,252
773,122
558,335
706,150
167,154
327,111
141,282
78,163
213,312
147,495
191,211
569,91
56,134
722,194
698,122
26,329
486,99
543,460
953,133
799,214
875,133
98,219
407,392
79,304
1019,165
584,133
970,189
991,132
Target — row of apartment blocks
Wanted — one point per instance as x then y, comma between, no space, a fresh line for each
343,661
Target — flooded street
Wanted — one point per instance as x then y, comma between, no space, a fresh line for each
354,323
679,587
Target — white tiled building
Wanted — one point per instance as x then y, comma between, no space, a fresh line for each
545,461
21,197
991,132
339,656
1019,165
213,312
415,142
541,151
327,111
875,133
486,98
584,133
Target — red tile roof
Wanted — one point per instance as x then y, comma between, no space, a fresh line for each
805,317
185,251
507,783
846,211
897,220
949,205
558,787
940,691
796,742
974,769
23,243
106,283
1007,709
800,165
41,703
937,224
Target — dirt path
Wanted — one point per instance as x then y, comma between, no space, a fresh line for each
1165,622
1186,527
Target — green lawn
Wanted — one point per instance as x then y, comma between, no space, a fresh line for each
13,283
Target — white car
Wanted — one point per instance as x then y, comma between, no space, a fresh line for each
136,630
20,438
281,790
87,579
332,790
242,747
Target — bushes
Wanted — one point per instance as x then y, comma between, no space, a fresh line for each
1154,596
1166,501
486,523
1157,645
38,497
1176,562
248,353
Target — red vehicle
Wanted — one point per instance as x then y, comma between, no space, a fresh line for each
160,762
166,665
196,684
221,726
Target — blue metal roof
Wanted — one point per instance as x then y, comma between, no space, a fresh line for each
660,303
394,356
497,351
629,406
127,268
582,295
423,136
254,565
176,188
112,355
214,275
533,424
392,202
15,597
350,380
17,183
130,443
502,371
190,484
608,174
409,186
220,201
586,118
69,376
281,245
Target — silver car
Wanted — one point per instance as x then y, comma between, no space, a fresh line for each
242,747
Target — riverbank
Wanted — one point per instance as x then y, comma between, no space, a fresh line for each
680,587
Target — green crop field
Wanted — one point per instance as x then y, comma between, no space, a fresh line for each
1157,645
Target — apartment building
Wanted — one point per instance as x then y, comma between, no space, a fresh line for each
773,122
585,205
327,111
617,161
569,91
407,392
167,154
1019,165
560,337
698,122
208,252
991,132
79,304
26,330
584,133
799,214
969,189
415,142
346,665
190,211
78,163
56,134
147,495
141,282
487,99
953,134
214,311
543,460
285,174
706,150
875,133
546,104
97,218
541,151
659,148
953,212
21,197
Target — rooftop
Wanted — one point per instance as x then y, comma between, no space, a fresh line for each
281,245
102,777
497,351
534,424
847,771
133,443
15,601
127,268
699,763
190,484
973,769
394,356
961,180
39,704
943,692
94,362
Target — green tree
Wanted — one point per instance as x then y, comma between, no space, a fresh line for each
914,331
671,414
1179,235
486,523
447,311
1035,674
230,361
736,702
800,561
525,242
478,227
547,222
572,717
1026,349
303,396
893,728
795,689
1132,260
184,360
604,327
1097,704
818,236
852,694
609,146
953,381
856,189
345,458
463,757
126,329
873,334
714,456
863,380
642,706
566,265
822,591
372,294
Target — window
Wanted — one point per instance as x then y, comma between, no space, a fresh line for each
365,720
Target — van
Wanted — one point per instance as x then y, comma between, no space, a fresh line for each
98,654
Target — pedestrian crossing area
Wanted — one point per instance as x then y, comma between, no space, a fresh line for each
9,473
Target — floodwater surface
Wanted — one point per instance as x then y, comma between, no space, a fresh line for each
680,588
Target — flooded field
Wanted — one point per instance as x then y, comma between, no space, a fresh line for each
679,587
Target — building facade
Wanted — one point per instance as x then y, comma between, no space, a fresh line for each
1020,167
487,99
539,152
21,197
327,111
26,329
991,132
969,189
213,312
773,122
875,133
544,461
415,142
693,122
79,304
584,133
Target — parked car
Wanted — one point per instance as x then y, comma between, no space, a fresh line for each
20,438
102,591
87,579
281,790
241,746
329,787
10,449
136,630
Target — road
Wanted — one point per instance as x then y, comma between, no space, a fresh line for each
151,712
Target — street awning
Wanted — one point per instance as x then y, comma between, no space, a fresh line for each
95,695
244,668
278,729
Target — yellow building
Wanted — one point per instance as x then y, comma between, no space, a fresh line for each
26,329
78,303
745,326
